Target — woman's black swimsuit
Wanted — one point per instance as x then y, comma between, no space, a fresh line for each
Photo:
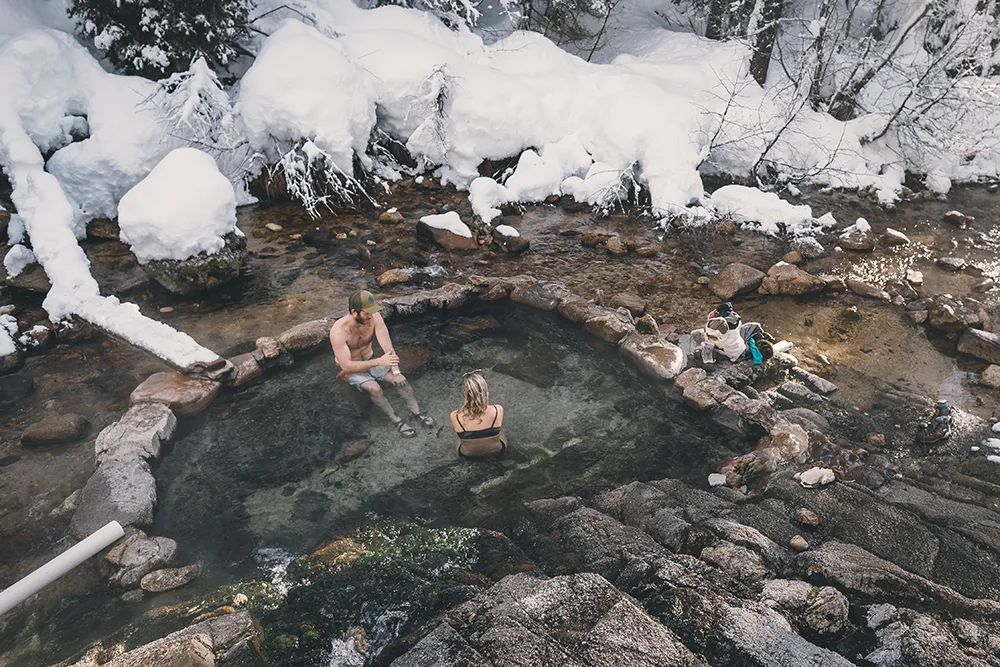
492,432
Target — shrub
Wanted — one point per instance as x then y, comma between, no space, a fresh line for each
156,38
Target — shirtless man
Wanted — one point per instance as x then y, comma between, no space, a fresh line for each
351,337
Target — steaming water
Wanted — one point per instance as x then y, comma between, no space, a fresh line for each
260,469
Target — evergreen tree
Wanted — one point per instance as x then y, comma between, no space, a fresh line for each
156,38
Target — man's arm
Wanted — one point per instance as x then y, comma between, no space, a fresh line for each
342,353
382,336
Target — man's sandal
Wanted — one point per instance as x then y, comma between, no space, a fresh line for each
405,429
425,419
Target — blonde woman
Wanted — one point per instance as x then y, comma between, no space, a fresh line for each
478,424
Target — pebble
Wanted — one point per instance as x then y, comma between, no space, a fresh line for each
996,427
716,479
295,237
798,543
341,236
815,477
704,280
806,517
167,309
274,227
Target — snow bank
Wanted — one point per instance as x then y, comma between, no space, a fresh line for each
183,207
50,82
764,209
304,86
449,221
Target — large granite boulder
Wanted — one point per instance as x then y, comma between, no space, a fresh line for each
572,620
122,491
785,278
735,278
201,272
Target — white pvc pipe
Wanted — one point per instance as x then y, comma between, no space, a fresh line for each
59,566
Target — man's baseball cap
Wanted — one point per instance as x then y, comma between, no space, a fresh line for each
363,300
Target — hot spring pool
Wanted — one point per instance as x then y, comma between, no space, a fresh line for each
264,468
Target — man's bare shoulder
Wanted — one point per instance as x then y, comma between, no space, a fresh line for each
339,328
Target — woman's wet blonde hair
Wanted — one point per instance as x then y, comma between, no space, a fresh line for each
476,394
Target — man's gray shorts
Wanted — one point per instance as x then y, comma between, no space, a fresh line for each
377,373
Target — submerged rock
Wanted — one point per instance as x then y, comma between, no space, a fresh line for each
168,579
55,430
201,272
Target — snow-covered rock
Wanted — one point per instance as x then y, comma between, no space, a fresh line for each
763,209
858,236
447,230
185,206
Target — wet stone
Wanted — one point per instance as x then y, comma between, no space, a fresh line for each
707,394
142,556
543,296
809,247
122,491
806,517
866,290
172,651
168,579
655,358
580,311
822,385
305,336
615,246
689,377
391,218
138,434
610,326
799,393
55,430
247,369
784,278
203,271
990,377
634,303
12,362
133,596
647,325
951,263
735,278
807,419
894,238
392,277
980,344
268,348
185,395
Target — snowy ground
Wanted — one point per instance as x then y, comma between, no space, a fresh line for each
653,107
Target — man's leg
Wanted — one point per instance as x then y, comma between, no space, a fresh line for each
379,399
406,391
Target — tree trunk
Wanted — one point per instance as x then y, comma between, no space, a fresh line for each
716,16
763,41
